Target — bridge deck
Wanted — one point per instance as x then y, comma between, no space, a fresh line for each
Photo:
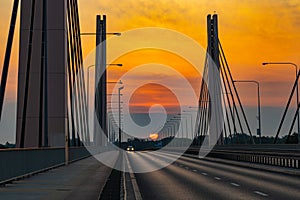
83,179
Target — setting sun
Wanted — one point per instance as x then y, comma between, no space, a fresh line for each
153,136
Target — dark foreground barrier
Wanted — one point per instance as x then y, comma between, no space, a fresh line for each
17,163
275,155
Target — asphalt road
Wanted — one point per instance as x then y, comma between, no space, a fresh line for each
190,178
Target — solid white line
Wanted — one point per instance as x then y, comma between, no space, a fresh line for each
135,186
205,174
124,186
261,193
217,178
124,189
235,184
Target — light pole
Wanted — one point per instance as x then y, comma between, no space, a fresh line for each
258,104
169,129
116,34
179,117
119,96
191,116
178,123
173,127
297,92
88,84
88,77
88,90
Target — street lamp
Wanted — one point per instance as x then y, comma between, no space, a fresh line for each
179,117
116,82
117,64
88,86
119,96
88,81
191,116
178,123
169,129
117,34
88,72
173,128
258,104
297,92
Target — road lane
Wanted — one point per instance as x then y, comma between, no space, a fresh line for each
190,178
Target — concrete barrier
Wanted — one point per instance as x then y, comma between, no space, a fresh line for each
17,163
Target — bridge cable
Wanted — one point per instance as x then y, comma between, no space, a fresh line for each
82,76
25,105
238,98
8,54
74,85
286,108
293,123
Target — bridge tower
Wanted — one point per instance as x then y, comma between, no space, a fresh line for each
100,85
220,113
51,101
214,81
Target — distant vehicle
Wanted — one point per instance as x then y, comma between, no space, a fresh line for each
130,148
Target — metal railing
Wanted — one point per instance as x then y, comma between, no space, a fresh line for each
275,155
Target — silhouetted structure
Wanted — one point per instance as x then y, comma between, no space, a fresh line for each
51,97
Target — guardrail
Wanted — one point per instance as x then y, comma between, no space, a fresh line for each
275,155
19,163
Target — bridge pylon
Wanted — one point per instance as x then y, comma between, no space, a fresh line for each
51,101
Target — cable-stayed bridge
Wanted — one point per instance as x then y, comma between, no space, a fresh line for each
57,154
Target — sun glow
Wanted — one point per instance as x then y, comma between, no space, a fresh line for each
153,136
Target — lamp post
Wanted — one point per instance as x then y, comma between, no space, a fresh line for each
297,92
173,127
258,104
88,77
191,116
88,83
178,123
113,33
179,117
169,129
119,96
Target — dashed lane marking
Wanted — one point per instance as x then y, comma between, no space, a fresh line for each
261,193
235,184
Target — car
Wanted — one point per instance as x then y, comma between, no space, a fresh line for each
130,148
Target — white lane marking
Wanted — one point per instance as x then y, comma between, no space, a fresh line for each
135,186
217,178
235,184
124,185
261,193
205,174
194,170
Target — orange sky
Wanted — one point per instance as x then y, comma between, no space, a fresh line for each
251,32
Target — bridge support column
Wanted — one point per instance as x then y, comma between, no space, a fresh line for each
31,118
100,137
214,82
